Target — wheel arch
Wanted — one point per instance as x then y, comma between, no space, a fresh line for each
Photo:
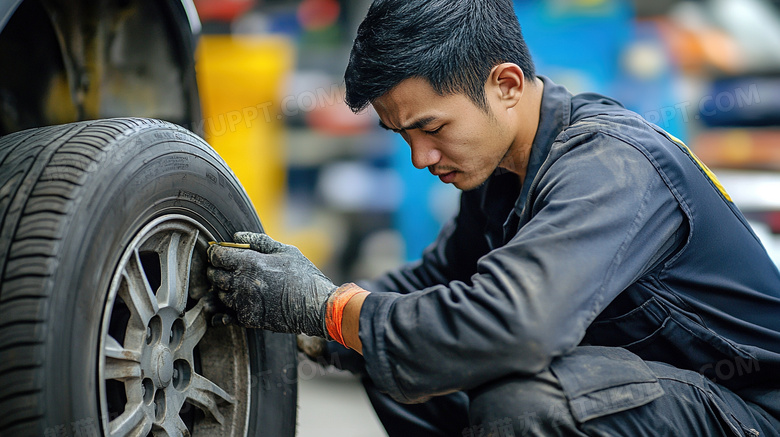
6,10
97,59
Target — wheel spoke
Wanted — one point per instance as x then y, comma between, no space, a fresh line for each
205,394
175,260
121,363
195,327
175,400
172,426
115,350
135,421
121,369
138,295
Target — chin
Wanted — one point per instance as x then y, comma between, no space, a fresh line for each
468,185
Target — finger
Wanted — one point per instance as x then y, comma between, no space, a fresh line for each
222,319
259,242
313,347
246,237
228,298
222,257
221,279
211,303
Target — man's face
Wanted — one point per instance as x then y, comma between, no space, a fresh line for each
450,135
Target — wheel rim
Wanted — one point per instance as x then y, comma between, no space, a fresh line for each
162,370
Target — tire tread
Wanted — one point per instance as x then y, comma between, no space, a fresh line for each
41,172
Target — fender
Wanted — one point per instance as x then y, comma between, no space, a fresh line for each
8,8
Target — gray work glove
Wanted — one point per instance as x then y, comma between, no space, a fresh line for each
271,285
313,347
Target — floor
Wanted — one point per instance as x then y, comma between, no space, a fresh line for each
333,404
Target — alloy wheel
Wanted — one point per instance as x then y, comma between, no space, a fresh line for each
163,370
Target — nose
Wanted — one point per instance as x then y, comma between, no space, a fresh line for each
424,153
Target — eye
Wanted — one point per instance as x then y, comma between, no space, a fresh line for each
435,131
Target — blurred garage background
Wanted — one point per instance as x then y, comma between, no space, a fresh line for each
271,80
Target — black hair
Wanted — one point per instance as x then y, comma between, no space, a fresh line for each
453,44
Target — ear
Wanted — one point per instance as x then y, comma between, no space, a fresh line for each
508,82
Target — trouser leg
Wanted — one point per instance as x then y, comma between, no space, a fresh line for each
611,392
594,391
440,416
521,407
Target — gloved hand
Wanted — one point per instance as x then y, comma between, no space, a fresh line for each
271,285
313,347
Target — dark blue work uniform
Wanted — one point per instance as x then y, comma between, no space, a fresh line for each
616,291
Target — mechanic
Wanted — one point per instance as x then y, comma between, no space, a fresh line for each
597,279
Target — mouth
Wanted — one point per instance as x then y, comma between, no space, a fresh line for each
447,177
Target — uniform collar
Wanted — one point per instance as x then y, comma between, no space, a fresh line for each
555,115
502,200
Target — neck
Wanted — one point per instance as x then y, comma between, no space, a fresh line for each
528,110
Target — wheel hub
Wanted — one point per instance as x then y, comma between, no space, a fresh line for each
162,365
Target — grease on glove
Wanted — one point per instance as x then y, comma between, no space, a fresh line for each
271,286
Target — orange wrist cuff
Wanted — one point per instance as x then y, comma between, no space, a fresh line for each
335,309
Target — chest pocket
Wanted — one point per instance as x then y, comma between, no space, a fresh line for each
656,332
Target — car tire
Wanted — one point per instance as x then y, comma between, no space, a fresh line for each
103,326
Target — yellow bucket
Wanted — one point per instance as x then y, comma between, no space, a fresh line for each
241,82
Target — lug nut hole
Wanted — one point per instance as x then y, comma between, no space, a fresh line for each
154,330
147,391
177,333
182,374
159,405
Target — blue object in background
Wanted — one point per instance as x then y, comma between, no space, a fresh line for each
577,43
583,45
741,101
652,89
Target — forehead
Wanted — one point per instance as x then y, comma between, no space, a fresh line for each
407,91
415,98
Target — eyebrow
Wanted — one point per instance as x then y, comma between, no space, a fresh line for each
422,122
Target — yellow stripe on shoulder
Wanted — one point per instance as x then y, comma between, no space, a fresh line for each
701,165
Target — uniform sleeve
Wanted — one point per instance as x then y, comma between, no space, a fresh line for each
452,256
601,217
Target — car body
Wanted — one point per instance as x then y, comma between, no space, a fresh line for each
77,60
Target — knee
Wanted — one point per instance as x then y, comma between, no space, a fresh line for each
524,405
